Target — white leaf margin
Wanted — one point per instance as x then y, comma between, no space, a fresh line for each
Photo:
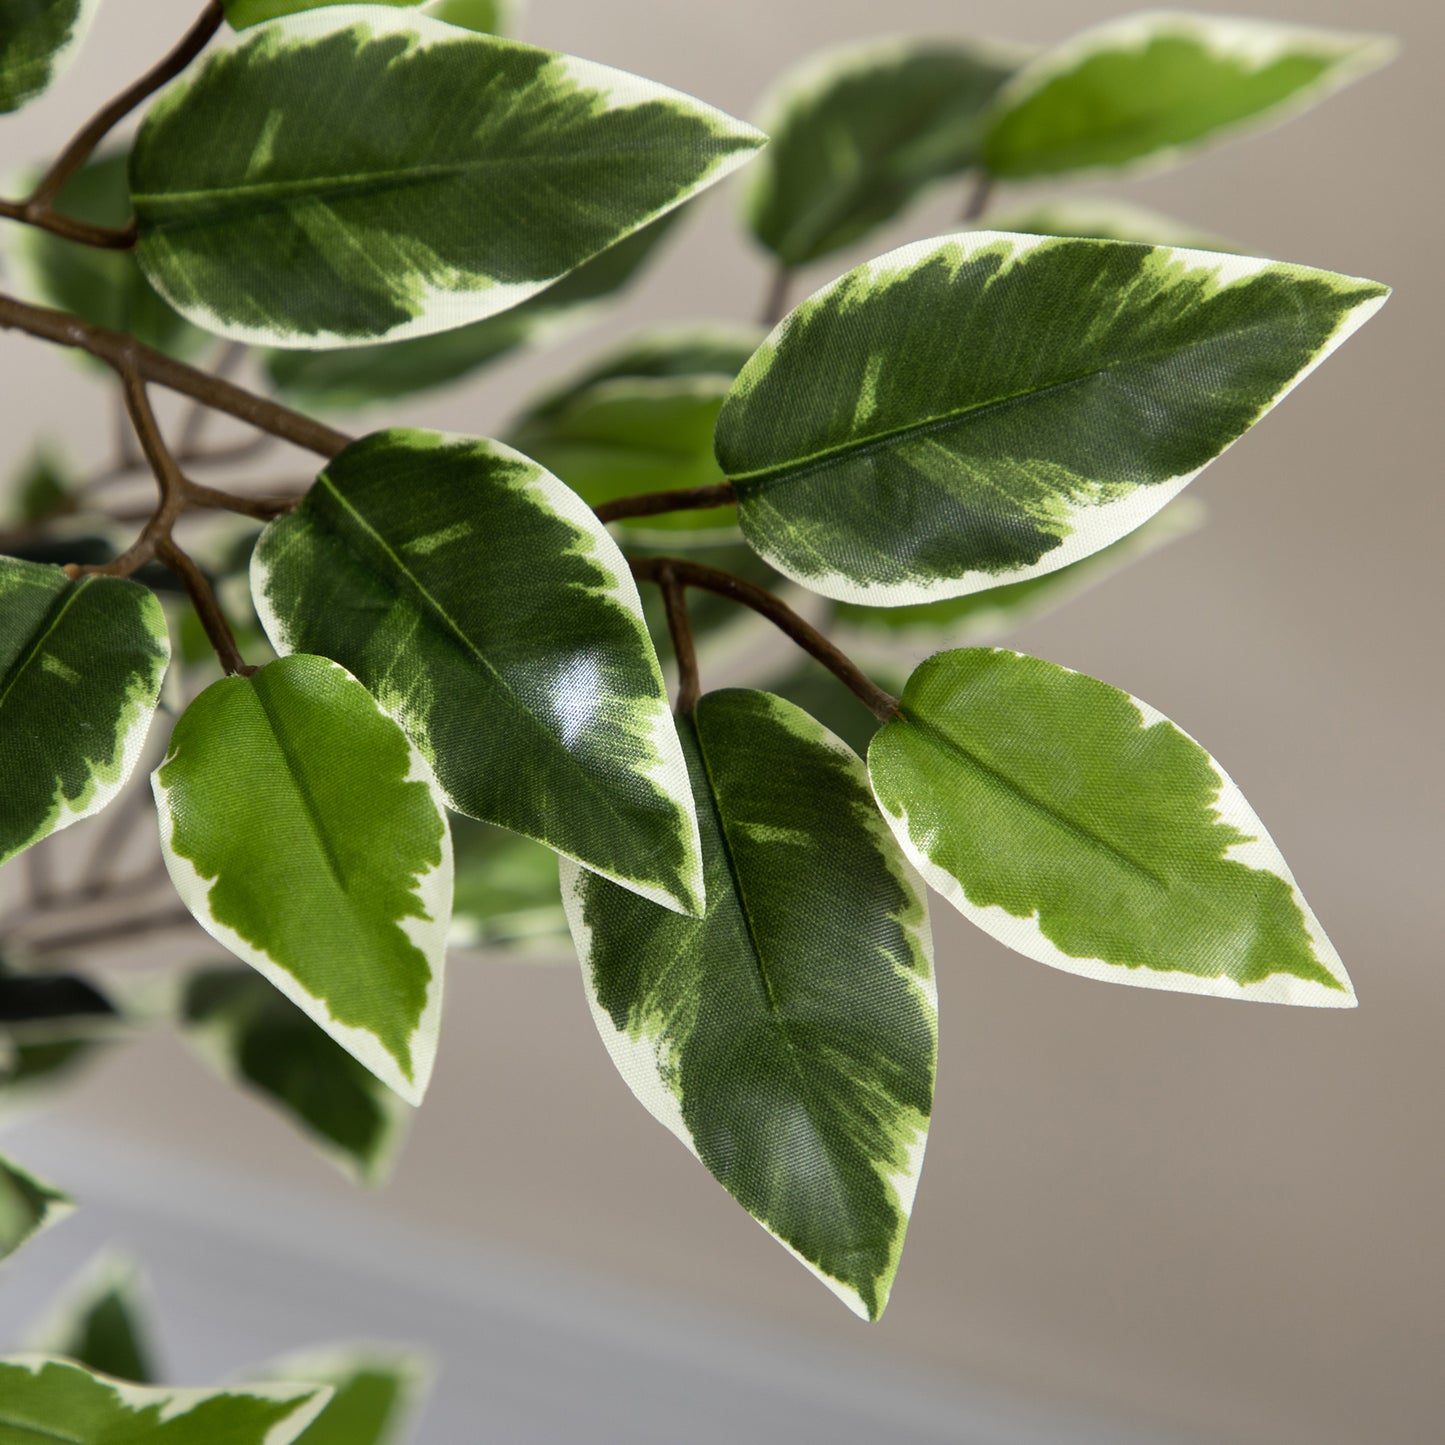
443,307
1094,527
1261,853
1260,42
432,890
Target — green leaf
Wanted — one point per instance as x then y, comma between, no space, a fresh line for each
308,837
1080,827
43,1399
376,1392
489,17
506,889
105,288
347,175
813,688
488,609
788,1037
643,421
1153,86
254,1037
878,461
1104,220
100,1323
857,133
894,638
38,39
43,487
81,664
27,1206
50,1025
356,376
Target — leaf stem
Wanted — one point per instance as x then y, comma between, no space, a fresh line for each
38,208
674,599
651,504
122,352
678,570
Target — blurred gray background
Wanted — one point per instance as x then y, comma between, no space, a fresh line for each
1143,1215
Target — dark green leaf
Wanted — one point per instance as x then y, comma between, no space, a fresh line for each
38,39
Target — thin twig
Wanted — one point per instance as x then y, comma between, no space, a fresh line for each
194,425
203,599
713,579
39,208
979,195
674,600
151,921
123,352
651,504
775,303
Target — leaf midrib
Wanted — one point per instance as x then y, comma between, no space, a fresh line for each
40,1432
66,598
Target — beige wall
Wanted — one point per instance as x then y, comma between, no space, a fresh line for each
1189,1212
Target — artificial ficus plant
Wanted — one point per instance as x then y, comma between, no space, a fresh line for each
463,681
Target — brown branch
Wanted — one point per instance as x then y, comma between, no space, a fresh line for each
650,504
713,579
775,303
151,921
263,509
203,599
123,352
978,198
674,600
39,208
194,426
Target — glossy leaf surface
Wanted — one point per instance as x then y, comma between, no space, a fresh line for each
788,1037
43,1399
27,1206
858,133
879,462
359,173
1080,827
488,609
81,663
308,836
255,1037
38,39
1145,88
355,376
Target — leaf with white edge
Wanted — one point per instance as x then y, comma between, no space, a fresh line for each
274,207
1093,219
357,376
857,133
100,1323
490,17
27,1206
254,1037
104,287
38,39
43,1399
81,663
490,612
642,420
788,1037
1149,88
376,1392
308,836
895,639
1083,829
878,461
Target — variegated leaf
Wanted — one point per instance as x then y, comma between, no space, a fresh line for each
376,1392
81,663
358,173
1082,828
491,17
258,1039
489,610
1147,88
38,39
44,1399
788,1037
27,1206
878,461
308,836
99,1323
857,133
